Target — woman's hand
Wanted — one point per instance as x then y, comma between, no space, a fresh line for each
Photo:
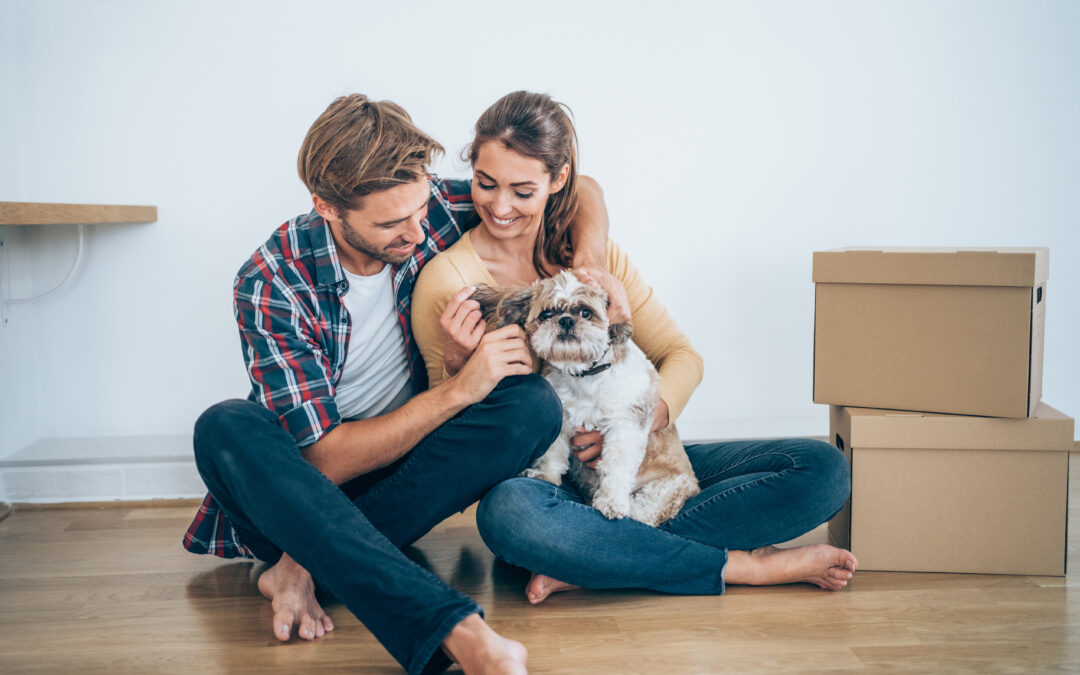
588,446
661,415
463,327
618,304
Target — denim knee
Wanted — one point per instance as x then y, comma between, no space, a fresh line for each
538,405
507,516
533,413
834,474
222,428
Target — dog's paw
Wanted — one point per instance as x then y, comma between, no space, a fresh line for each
612,509
537,473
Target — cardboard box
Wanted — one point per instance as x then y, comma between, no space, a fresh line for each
937,330
950,493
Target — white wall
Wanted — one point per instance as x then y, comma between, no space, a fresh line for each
732,139
18,381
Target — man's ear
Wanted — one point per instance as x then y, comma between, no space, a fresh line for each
619,333
325,209
560,180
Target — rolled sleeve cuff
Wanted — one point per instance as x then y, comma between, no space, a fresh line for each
311,420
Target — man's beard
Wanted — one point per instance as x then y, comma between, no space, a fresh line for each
367,248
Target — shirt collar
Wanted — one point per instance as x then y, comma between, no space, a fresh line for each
328,271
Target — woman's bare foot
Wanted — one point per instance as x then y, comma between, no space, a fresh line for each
479,650
541,586
819,564
291,593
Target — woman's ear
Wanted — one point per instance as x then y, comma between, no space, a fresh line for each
560,180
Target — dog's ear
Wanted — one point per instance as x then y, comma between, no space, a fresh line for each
502,306
488,298
514,307
620,332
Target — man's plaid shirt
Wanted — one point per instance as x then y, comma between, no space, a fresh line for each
294,330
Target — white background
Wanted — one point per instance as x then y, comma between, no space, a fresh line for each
732,140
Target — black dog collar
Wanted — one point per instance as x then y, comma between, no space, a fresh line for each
596,366
593,370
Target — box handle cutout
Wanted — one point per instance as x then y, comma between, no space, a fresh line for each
839,443
1038,295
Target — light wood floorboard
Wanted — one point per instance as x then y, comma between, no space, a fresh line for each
107,590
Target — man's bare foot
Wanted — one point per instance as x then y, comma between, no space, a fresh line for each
540,587
291,593
479,650
819,564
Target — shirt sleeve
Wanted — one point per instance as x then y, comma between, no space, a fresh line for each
454,198
656,333
290,373
438,282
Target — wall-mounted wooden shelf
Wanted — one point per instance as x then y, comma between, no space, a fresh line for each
31,213
79,215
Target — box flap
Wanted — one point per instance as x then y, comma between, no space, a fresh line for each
1047,429
933,266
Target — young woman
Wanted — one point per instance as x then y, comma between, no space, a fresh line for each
753,493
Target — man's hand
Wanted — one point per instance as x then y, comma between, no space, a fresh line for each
463,327
618,304
501,353
588,446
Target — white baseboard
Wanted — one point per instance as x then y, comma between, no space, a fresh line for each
102,469
56,470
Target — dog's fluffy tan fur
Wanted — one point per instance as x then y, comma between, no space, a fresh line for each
642,475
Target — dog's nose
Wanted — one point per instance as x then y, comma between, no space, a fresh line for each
567,322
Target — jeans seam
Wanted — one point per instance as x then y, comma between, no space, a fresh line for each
794,467
791,458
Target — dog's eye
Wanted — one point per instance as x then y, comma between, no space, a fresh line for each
585,313
546,314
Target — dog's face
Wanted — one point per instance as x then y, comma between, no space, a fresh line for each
565,320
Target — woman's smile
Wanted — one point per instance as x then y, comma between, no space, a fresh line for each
504,221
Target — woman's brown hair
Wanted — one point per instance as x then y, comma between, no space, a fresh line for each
536,126
358,146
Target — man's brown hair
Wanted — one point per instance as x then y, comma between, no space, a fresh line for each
357,147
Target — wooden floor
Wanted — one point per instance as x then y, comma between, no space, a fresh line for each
95,590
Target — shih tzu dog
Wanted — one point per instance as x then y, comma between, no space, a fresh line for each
605,383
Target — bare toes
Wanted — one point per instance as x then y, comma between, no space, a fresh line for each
283,623
307,627
328,625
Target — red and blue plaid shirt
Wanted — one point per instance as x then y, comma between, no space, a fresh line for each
294,330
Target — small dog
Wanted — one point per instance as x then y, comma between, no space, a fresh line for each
605,383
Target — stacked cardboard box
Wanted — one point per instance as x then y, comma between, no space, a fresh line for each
932,362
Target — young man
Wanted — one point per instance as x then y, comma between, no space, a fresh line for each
341,455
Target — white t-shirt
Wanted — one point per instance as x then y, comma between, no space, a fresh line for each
375,379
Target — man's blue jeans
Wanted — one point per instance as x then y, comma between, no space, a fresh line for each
753,494
350,537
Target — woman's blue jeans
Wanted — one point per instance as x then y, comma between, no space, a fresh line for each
350,537
753,494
